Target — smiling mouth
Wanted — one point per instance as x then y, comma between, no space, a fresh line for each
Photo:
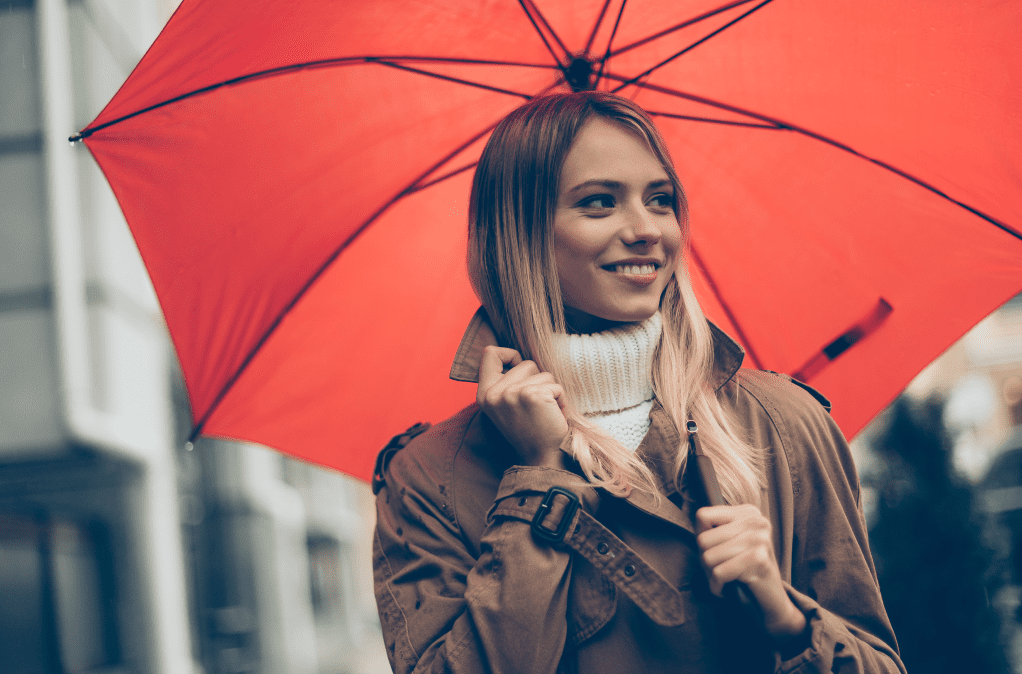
632,269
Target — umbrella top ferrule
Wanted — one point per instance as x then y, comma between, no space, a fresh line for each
579,74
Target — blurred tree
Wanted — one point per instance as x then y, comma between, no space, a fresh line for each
935,571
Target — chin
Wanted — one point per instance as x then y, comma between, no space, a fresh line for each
629,315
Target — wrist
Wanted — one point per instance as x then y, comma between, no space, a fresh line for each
555,459
790,647
793,636
792,626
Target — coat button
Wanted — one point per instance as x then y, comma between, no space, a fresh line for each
522,501
602,548
629,570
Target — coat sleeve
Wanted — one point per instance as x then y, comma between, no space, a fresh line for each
444,609
833,580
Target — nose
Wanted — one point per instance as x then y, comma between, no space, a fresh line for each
641,228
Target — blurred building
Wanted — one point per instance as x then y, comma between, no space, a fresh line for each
980,377
122,549
975,388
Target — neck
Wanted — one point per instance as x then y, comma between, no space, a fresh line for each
580,323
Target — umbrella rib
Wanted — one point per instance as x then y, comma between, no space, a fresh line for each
441,178
456,80
768,122
689,48
712,120
683,24
409,189
539,32
698,260
418,185
546,24
610,42
777,124
347,60
596,27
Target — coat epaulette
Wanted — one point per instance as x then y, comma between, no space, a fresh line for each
396,443
820,398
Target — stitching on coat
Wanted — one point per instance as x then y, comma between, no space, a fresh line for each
461,646
468,638
451,483
393,599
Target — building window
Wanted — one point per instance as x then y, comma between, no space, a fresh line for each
58,612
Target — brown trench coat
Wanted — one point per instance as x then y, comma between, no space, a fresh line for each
464,585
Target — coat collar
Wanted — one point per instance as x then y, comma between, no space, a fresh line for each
727,354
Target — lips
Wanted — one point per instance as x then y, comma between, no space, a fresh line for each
639,272
635,267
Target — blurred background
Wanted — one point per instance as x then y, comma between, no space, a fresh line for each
126,549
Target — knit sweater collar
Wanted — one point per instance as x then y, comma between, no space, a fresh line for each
727,354
613,366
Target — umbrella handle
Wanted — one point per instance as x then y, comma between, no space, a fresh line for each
736,590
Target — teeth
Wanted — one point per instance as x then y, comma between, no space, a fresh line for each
635,269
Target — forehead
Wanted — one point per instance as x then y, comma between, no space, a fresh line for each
606,149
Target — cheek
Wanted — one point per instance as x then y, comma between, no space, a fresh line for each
574,249
567,263
672,239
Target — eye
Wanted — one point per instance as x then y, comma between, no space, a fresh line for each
597,202
662,201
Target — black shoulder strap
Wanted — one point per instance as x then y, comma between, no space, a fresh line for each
396,443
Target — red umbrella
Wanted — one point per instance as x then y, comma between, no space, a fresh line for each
296,177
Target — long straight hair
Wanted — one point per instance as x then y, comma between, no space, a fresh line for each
513,268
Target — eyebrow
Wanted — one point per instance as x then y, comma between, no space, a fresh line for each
615,185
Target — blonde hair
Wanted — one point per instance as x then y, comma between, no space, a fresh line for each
512,264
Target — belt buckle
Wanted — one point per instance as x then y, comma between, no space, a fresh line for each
554,535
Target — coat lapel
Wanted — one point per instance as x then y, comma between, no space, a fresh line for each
658,450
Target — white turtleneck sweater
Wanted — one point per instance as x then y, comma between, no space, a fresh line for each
615,369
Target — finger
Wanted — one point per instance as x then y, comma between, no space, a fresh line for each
744,540
750,566
558,392
543,391
722,574
758,525
709,517
491,365
521,373
535,378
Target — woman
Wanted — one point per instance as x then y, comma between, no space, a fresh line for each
557,525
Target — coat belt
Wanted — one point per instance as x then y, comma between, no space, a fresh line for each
643,584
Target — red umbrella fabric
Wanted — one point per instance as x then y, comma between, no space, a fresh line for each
296,176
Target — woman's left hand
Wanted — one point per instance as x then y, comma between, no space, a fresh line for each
736,544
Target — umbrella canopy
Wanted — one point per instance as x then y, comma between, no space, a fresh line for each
296,176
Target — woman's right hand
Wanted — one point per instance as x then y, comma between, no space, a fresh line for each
524,404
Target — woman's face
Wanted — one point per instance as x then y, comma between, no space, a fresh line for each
616,236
